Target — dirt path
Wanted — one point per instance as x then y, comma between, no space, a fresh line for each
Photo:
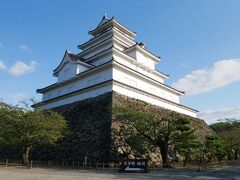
64,174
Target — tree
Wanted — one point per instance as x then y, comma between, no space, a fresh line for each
214,148
189,147
21,126
229,132
162,130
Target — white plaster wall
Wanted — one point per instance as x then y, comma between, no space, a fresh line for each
145,60
102,47
101,60
68,71
122,37
98,39
77,97
133,54
82,82
113,32
122,32
97,49
119,46
133,64
81,68
142,58
143,84
137,95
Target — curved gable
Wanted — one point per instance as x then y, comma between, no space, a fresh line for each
70,66
70,58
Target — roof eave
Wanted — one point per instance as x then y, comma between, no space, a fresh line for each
55,71
154,57
112,21
166,86
133,33
73,79
103,18
166,76
91,32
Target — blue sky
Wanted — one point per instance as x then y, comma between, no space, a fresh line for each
198,42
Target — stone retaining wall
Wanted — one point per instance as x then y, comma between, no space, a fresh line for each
93,129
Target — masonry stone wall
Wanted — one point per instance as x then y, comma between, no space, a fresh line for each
120,136
95,132
90,125
201,128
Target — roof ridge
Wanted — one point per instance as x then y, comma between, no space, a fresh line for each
113,20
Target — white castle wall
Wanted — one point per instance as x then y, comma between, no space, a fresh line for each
133,64
141,83
133,93
80,83
97,49
77,97
136,90
122,37
142,58
96,40
68,71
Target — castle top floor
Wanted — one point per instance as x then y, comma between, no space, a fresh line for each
110,40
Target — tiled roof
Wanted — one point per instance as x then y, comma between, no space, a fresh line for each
74,57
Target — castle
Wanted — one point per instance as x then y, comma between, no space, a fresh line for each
111,70
111,61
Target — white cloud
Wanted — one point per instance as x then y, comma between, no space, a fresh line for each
211,116
18,97
2,66
20,68
24,47
15,98
203,80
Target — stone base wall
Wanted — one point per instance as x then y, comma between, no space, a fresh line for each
201,128
95,132
120,132
90,125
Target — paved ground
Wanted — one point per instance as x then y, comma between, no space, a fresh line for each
63,174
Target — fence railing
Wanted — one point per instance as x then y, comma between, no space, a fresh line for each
8,163
115,166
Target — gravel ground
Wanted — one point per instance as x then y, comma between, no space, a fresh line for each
11,173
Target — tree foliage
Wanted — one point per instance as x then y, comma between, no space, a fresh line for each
229,132
189,147
160,130
214,148
21,126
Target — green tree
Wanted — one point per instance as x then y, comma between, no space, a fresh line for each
229,132
214,148
190,147
136,142
162,130
21,126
